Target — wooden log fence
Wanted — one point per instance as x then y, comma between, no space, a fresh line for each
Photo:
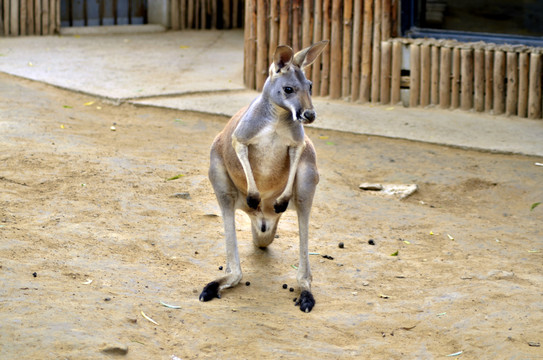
471,76
350,67
29,17
365,63
209,14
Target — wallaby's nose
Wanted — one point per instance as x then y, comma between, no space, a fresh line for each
310,115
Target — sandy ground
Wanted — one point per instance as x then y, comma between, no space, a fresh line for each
80,202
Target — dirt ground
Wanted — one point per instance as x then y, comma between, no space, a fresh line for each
81,202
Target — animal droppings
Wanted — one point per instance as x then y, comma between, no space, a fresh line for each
371,242
291,289
285,286
220,267
341,245
247,283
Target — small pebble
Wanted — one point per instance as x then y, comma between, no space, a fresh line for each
285,286
371,242
341,245
247,283
35,274
291,289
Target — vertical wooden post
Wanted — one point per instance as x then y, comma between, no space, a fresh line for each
45,17
57,18
14,17
357,50
283,23
250,48
190,13
274,29
182,14
534,95
445,78
347,39
466,99
395,91
425,72
455,84
479,73
326,30
499,82
317,36
52,16
394,18
376,58
174,14
22,17
262,44
306,30
489,80
434,77
37,17
29,17
5,15
296,28
524,67
226,14
335,63
385,23
511,97
365,78
386,63
414,77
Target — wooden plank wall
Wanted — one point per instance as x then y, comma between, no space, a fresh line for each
349,67
366,62
206,14
502,80
29,17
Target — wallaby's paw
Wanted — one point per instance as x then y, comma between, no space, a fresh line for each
210,292
306,301
253,201
280,207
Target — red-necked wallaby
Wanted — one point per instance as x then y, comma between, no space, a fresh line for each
262,163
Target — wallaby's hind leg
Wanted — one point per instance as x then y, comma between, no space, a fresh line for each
307,178
227,196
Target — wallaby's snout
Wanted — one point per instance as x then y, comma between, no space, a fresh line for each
309,116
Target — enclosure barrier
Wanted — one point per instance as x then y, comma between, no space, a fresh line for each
366,62
470,76
29,17
206,14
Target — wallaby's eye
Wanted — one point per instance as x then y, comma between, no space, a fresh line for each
288,90
311,88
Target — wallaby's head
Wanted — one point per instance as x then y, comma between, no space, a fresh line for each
287,86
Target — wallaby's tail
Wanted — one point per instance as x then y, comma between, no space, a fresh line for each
263,231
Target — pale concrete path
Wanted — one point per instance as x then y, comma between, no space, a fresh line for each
203,71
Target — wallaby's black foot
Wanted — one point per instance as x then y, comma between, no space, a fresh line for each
306,301
210,292
253,201
280,207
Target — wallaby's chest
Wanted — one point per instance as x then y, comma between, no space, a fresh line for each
268,150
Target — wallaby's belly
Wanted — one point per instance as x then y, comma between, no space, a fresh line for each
270,164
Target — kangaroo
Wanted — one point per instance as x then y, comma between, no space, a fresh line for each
262,162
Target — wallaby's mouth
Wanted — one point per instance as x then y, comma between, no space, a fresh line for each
306,116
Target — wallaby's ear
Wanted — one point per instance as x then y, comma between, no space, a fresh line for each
282,57
306,56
